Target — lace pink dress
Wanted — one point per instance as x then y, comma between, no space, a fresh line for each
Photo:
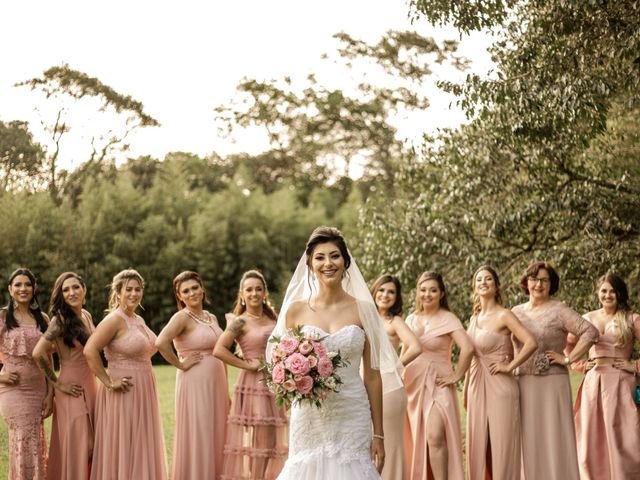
73,419
257,433
129,443
202,406
21,404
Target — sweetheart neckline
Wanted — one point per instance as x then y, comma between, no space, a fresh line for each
337,331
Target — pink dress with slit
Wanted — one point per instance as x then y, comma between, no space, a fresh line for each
129,443
257,433
73,419
493,409
423,395
202,406
607,419
21,404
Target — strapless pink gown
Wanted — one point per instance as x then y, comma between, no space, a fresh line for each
202,406
493,409
21,404
129,443
257,433
73,420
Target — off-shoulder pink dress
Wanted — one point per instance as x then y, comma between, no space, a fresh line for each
202,406
493,409
607,418
129,443
73,419
423,395
257,433
548,437
21,404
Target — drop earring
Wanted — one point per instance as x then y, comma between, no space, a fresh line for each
34,304
14,304
242,302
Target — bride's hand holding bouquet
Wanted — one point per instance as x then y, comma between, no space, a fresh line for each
301,369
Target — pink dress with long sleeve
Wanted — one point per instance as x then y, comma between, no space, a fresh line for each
257,430
548,437
73,419
493,409
423,395
129,443
607,418
21,404
202,406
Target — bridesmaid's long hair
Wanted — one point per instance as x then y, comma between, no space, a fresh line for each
396,308
267,307
10,319
620,320
72,326
496,281
444,304
184,277
119,281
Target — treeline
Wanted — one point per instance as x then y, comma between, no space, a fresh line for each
163,217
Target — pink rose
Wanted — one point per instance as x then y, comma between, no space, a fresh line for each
320,349
325,367
298,364
289,385
313,361
288,345
305,348
305,384
277,354
278,373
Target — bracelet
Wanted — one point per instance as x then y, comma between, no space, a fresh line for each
567,361
110,385
381,437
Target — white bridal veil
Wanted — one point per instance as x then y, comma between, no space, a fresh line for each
383,356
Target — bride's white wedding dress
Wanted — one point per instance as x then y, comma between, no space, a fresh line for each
333,442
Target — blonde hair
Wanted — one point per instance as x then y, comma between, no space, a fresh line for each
623,310
496,281
429,275
119,281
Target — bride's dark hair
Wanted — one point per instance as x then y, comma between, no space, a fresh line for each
327,235
72,325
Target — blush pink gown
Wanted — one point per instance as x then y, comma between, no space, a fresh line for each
21,404
607,419
129,443
548,436
202,406
493,409
257,433
423,395
73,420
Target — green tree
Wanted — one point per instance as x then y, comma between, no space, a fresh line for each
21,159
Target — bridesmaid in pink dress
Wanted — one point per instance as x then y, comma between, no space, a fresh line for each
435,449
25,396
202,394
75,390
257,433
387,294
129,443
491,393
607,419
548,436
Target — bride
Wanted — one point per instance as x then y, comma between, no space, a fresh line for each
327,296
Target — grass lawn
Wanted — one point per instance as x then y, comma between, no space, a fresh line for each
166,377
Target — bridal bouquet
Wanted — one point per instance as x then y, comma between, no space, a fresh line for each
301,369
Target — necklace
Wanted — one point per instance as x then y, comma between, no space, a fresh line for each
252,315
205,321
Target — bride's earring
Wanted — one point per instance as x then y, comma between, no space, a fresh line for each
242,302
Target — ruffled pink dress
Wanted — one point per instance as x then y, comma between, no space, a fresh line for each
423,395
73,420
21,404
493,409
129,443
607,419
257,430
202,406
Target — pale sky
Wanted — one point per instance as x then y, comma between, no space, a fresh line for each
181,59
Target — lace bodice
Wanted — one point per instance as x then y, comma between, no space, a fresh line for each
137,346
341,428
